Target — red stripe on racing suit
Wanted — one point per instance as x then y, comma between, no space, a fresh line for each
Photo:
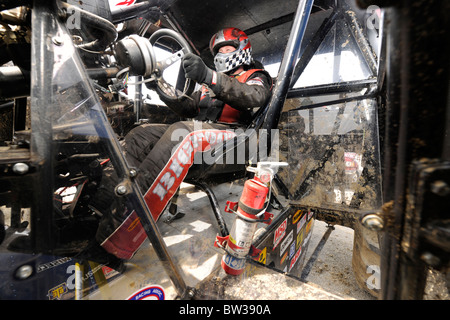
127,239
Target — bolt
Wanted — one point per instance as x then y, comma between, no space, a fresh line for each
121,190
440,188
191,293
133,173
373,222
20,168
62,14
57,40
24,272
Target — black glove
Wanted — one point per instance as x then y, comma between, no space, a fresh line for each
195,69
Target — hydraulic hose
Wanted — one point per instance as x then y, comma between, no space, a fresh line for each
94,21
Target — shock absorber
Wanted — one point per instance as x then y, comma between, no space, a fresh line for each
251,209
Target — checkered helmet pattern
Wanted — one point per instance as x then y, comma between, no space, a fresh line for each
225,62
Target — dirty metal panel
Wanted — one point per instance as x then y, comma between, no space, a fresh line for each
333,154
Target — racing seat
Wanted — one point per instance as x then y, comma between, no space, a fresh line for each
220,171
204,175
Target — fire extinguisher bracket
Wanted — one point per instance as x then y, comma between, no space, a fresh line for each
231,207
254,252
221,243
267,219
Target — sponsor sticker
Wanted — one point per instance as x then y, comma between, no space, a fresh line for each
308,226
285,244
121,3
109,272
299,239
133,224
233,262
295,258
52,264
291,250
283,258
255,81
263,256
153,292
306,239
58,291
296,216
352,162
301,223
279,234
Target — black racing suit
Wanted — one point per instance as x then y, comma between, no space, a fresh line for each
164,153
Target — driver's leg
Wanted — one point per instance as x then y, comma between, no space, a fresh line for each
136,146
141,140
159,177
168,163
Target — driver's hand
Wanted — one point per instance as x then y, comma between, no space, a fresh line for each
195,69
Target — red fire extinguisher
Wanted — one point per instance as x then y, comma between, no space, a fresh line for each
251,209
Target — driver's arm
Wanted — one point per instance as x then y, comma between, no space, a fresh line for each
242,96
254,93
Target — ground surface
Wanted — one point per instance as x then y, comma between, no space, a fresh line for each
328,275
327,271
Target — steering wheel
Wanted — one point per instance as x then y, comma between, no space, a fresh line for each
170,82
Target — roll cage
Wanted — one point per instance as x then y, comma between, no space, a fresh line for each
401,183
